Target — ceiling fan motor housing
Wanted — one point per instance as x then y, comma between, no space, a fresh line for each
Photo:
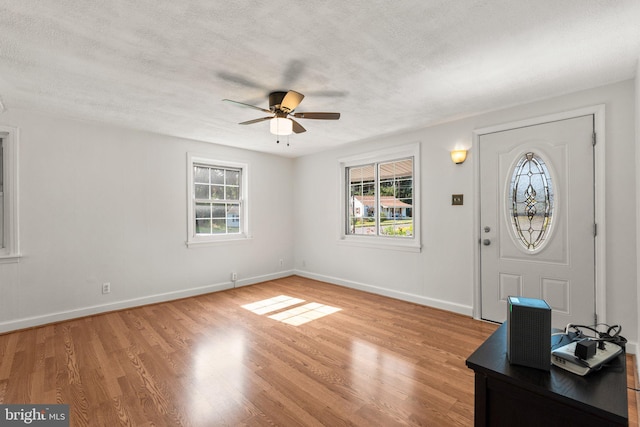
275,99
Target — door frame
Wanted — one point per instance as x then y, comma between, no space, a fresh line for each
598,112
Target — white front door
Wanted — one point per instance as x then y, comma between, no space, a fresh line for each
537,219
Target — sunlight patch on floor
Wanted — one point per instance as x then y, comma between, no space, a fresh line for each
294,316
303,314
272,304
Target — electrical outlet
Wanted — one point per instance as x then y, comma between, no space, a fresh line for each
281,262
106,288
234,277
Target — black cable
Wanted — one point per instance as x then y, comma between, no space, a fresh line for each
612,334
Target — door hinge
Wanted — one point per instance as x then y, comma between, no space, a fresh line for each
595,229
595,319
593,139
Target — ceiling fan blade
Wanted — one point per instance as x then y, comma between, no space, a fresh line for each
242,104
250,122
319,116
297,127
290,101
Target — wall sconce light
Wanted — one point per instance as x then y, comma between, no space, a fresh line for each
458,156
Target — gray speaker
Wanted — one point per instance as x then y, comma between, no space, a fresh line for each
529,332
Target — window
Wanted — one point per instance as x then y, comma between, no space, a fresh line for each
2,244
9,247
380,203
532,201
381,198
217,199
217,205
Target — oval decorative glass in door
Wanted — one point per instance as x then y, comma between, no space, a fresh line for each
531,201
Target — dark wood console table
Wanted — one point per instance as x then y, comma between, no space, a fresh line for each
512,395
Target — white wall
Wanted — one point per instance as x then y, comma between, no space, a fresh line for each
103,204
442,275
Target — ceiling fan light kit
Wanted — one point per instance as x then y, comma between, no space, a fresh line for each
280,126
281,107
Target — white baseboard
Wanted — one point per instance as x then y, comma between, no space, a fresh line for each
404,296
631,347
29,322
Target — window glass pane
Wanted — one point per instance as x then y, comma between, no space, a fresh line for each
203,210
233,218
203,226
1,168
404,189
219,210
532,201
363,225
232,209
233,177
217,176
217,192
218,226
1,197
396,198
202,191
396,169
201,174
362,212
362,174
233,193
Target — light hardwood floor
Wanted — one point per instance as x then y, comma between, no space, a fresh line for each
208,361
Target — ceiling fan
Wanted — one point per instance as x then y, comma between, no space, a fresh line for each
281,113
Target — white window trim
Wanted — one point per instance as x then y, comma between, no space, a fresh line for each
194,240
413,244
11,251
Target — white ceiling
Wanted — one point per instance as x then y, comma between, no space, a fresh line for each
386,66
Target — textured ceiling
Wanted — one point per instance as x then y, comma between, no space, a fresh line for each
386,66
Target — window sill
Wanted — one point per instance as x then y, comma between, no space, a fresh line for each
10,259
382,243
218,241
